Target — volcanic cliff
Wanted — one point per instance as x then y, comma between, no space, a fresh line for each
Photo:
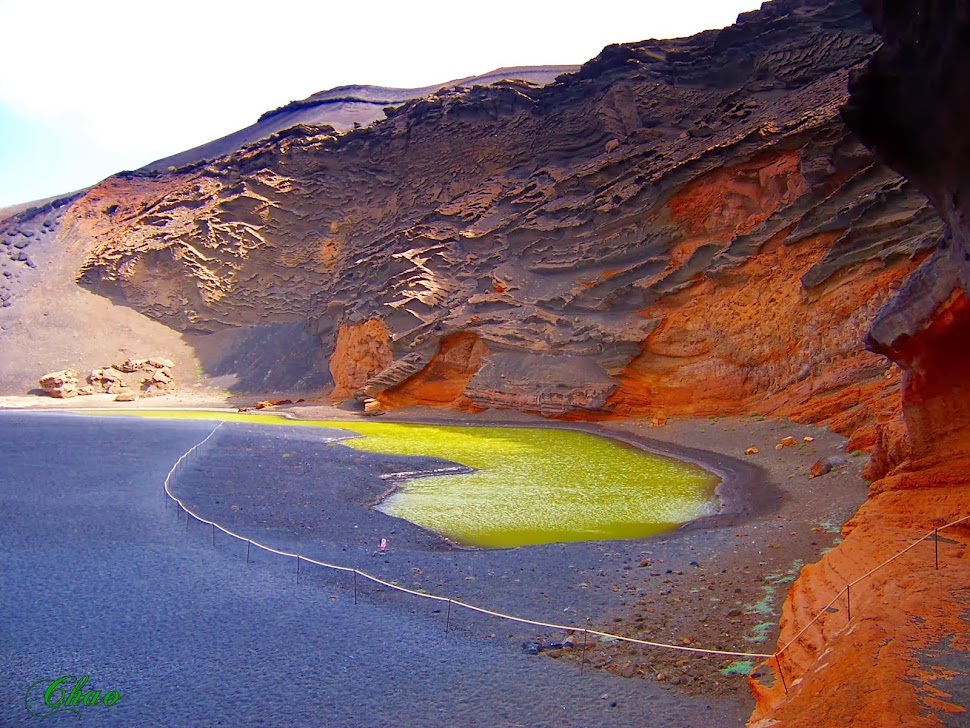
677,227
899,657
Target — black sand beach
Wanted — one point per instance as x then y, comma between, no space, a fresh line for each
102,578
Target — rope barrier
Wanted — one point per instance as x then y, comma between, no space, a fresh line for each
508,617
869,573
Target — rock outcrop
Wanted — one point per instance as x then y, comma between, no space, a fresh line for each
679,227
883,666
62,384
148,376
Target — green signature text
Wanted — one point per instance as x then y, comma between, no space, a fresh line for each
65,693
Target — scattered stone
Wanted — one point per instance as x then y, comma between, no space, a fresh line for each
60,384
658,421
788,441
272,403
85,391
126,397
825,465
162,378
128,366
159,363
752,451
808,438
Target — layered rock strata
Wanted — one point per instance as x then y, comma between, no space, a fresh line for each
679,227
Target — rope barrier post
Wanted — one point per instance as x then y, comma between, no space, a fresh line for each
781,673
186,520
848,604
297,568
582,663
249,545
213,534
448,619
936,547
355,587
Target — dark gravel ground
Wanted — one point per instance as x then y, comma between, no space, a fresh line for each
101,577
718,582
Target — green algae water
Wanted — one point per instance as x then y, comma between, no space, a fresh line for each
529,486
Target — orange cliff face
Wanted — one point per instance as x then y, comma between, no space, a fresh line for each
895,659
361,351
882,666
753,338
442,382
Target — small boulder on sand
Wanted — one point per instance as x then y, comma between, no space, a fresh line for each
161,378
272,403
60,384
130,365
126,397
788,441
752,451
372,407
826,465
105,379
159,363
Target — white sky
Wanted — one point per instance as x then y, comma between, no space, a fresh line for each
91,87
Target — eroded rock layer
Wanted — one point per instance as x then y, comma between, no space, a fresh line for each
679,227
898,652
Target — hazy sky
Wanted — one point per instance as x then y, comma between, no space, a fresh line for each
89,88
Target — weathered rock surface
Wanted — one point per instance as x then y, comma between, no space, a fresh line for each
148,376
60,384
680,227
886,666
343,108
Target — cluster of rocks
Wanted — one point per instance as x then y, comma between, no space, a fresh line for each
127,380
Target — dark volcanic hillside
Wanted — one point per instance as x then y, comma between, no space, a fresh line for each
344,108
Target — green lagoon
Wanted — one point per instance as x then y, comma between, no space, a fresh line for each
530,485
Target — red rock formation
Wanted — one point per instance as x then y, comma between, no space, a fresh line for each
880,668
442,382
361,351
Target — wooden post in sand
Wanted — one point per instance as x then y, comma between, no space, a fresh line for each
781,674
